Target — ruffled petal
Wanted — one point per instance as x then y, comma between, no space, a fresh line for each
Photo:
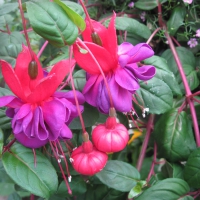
65,133
54,116
91,89
122,98
145,72
10,101
21,70
85,60
126,79
11,79
124,48
140,52
30,142
123,60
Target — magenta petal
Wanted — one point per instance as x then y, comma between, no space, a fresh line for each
145,72
65,133
123,60
54,116
140,52
122,98
126,79
30,142
10,101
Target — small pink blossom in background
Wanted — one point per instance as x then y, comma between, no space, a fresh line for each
187,1
142,16
192,42
198,33
131,4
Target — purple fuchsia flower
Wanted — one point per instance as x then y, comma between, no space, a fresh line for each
119,64
192,42
38,112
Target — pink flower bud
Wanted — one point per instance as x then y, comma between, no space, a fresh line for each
87,160
111,136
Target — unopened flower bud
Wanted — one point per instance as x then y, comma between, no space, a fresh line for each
33,69
96,39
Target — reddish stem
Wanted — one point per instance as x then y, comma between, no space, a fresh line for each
42,49
74,91
177,43
24,27
8,30
152,35
146,141
32,197
100,69
7,147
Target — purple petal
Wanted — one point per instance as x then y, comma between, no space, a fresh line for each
145,72
91,89
65,133
123,60
125,48
30,142
39,128
140,52
126,79
122,98
54,114
10,112
10,101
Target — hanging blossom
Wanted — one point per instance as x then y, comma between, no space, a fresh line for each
39,113
192,42
119,64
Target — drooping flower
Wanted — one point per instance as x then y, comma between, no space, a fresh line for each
38,112
198,33
88,160
192,42
119,64
187,1
111,136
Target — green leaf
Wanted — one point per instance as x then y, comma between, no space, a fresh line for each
172,170
7,8
76,18
136,190
186,58
163,73
174,136
176,19
192,78
147,4
5,122
11,45
102,192
79,79
192,169
5,92
51,22
132,26
155,95
14,196
168,189
5,20
40,180
90,116
77,185
119,175
186,198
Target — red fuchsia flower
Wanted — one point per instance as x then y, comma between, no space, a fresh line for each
119,64
88,160
38,112
111,136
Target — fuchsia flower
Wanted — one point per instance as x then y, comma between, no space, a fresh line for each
38,112
119,64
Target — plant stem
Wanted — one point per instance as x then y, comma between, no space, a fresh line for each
186,86
153,34
74,91
42,49
146,141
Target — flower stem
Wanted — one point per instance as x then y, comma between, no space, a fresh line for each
145,142
153,34
100,69
25,32
74,91
42,49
